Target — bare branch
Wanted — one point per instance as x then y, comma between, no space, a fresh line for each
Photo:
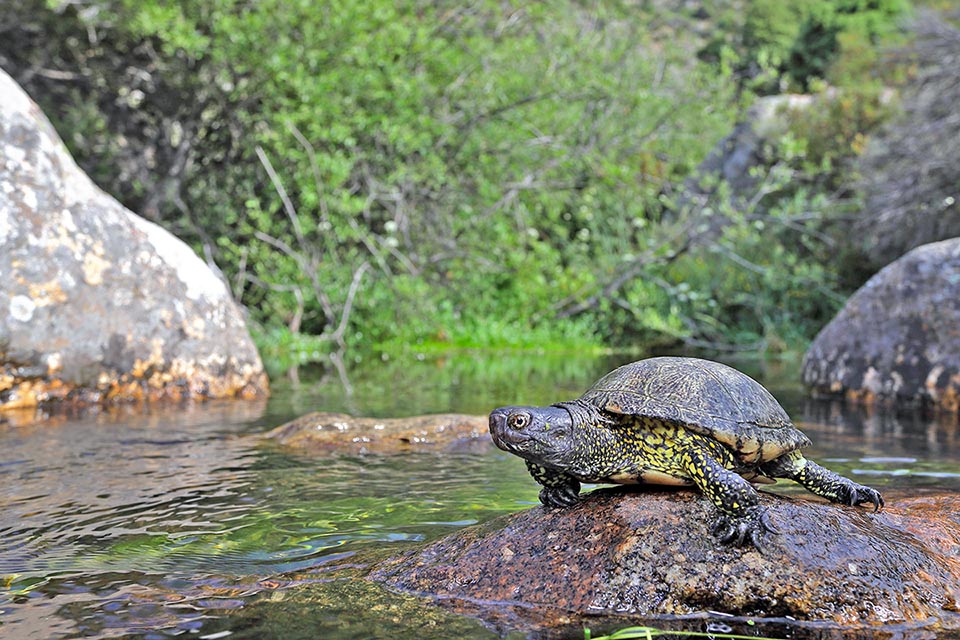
348,304
306,267
241,275
740,260
282,192
332,236
294,324
56,74
337,360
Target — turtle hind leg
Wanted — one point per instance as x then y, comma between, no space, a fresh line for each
736,530
742,519
821,481
559,489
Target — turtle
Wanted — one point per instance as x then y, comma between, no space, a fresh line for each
672,421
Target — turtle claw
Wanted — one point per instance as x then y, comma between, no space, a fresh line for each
737,530
855,494
560,497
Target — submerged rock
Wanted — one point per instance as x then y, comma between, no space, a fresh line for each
898,337
649,555
96,303
320,431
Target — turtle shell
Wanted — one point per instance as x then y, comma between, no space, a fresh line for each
705,397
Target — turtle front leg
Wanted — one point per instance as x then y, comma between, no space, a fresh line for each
742,519
821,481
559,489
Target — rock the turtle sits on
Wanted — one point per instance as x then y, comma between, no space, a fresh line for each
674,421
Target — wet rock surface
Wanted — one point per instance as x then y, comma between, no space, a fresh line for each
649,555
96,303
322,431
897,339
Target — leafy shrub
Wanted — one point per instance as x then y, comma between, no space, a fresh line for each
427,174
472,165
775,46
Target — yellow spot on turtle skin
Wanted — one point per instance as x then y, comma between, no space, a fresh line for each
642,449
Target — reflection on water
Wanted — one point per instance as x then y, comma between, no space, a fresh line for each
74,488
175,520
908,433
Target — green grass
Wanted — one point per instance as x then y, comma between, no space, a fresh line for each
494,334
282,349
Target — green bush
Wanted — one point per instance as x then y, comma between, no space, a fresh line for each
427,174
483,162
775,46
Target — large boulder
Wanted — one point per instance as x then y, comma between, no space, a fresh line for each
649,555
898,337
97,303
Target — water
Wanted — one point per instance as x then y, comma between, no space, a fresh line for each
181,521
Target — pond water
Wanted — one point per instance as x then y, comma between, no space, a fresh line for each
180,521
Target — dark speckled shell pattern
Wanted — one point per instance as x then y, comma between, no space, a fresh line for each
705,397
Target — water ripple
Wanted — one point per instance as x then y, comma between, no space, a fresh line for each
113,526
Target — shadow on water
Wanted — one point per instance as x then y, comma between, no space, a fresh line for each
163,521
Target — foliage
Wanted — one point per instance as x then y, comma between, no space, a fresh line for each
839,128
426,175
775,46
909,175
482,162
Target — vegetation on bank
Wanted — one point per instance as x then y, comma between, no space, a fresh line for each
431,175
649,633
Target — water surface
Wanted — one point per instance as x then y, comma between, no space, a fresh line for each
179,520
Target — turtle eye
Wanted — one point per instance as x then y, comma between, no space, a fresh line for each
519,421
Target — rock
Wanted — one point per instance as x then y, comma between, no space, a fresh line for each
735,159
734,156
320,431
898,337
649,554
96,303
909,169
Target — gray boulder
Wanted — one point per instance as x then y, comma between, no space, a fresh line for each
96,303
898,337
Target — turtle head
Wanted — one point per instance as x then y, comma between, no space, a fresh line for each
538,434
